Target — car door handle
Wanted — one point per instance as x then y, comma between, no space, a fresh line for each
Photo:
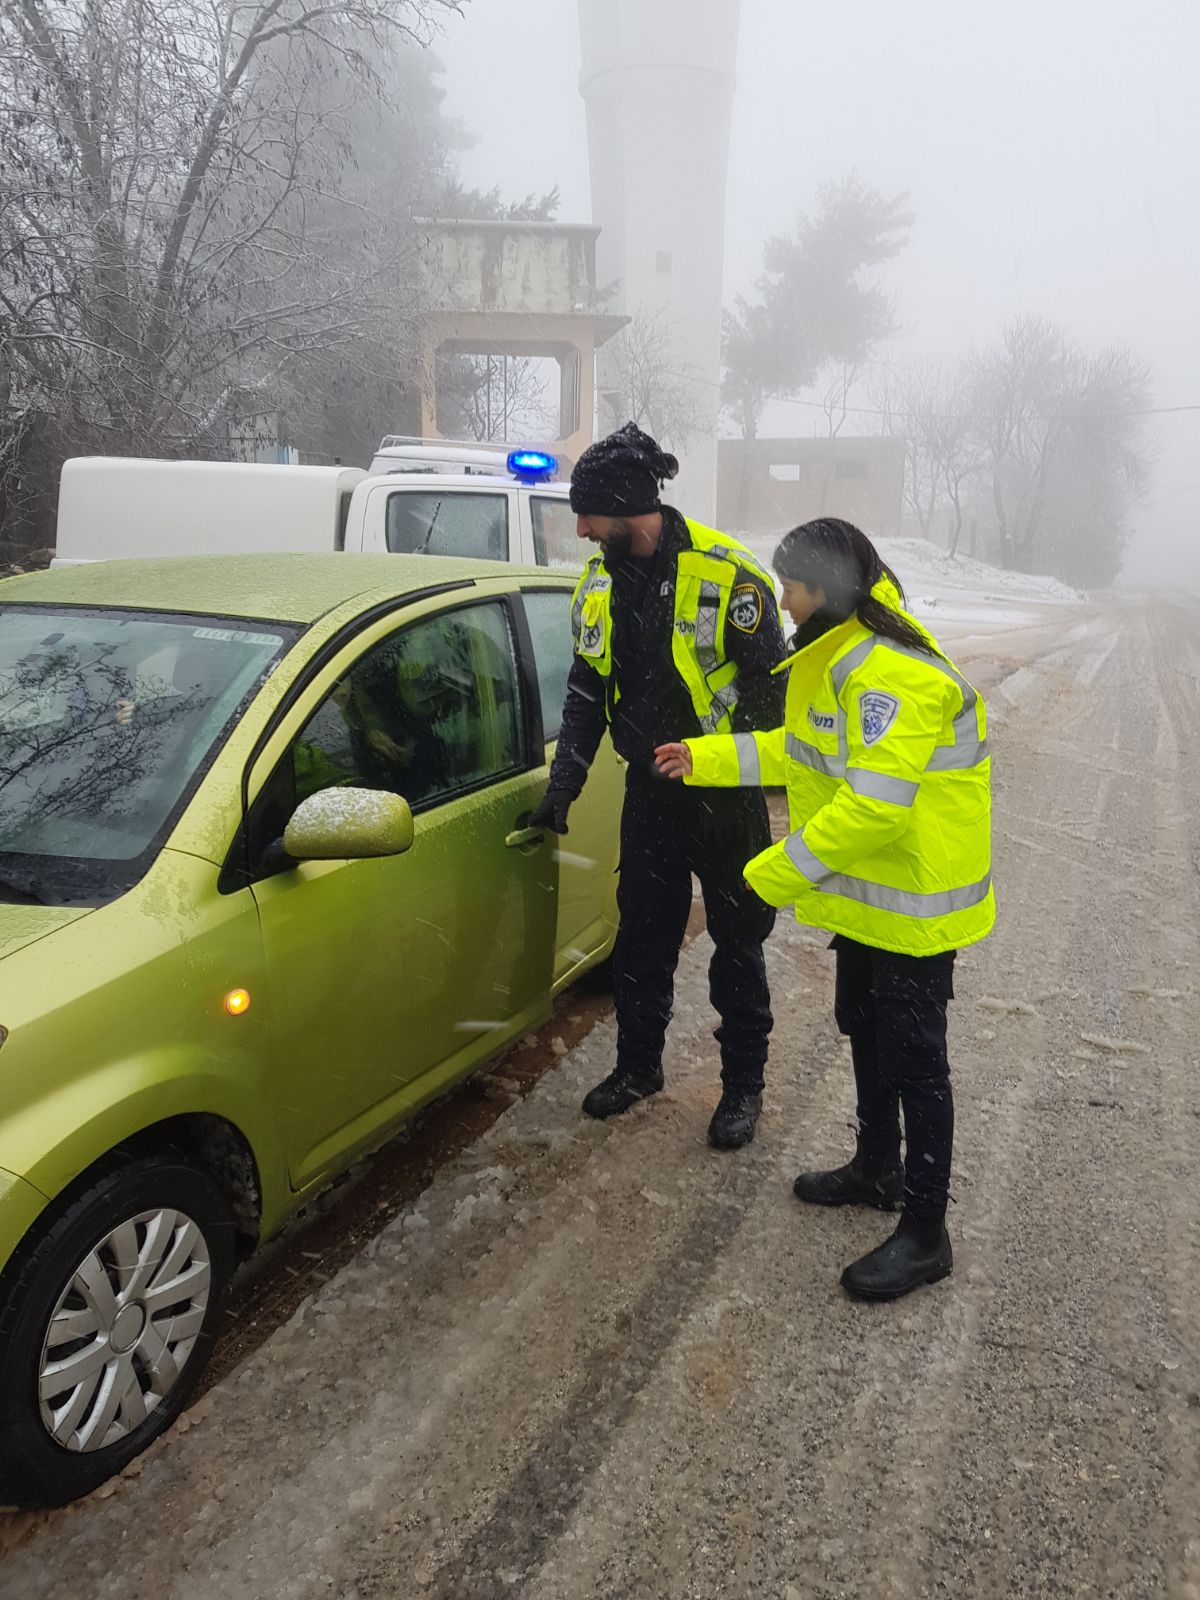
523,836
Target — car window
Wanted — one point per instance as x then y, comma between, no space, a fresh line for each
555,542
549,614
108,719
432,711
444,522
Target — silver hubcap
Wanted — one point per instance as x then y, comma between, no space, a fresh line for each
122,1329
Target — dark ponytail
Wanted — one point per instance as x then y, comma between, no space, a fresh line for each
837,557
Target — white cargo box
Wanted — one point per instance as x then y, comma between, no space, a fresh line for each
111,508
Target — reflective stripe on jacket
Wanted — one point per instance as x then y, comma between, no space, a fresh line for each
885,759
705,580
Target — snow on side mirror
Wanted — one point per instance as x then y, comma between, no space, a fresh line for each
349,825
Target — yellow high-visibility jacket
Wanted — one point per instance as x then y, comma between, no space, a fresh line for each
885,760
706,591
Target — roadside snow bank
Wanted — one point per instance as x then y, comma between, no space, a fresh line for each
937,582
931,577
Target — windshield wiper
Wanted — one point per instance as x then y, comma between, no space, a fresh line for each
423,547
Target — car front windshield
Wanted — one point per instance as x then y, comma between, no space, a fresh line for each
107,721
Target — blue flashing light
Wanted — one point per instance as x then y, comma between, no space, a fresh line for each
532,466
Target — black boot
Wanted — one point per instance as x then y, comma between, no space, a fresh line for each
734,1120
620,1090
849,1186
917,1253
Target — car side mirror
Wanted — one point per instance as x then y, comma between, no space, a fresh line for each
275,860
349,825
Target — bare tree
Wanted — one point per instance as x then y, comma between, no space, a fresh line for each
1063,438
1019,389
161,165
835,403
926,409
494,397
962,456
342,398
909,400
653,385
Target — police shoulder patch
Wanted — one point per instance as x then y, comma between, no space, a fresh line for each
745,608
876,713
591,639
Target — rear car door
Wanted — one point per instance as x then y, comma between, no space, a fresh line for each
391,978
587,855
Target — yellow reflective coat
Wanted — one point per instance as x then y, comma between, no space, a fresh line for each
707,590
885,760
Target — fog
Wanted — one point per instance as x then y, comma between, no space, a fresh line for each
1049,151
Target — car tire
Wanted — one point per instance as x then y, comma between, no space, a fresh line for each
116,1297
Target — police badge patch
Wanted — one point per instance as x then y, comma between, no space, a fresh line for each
876,713
591,639
745,608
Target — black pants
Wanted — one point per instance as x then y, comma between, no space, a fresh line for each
669,832
893,1009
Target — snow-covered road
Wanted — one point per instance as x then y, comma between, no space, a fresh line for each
603,1360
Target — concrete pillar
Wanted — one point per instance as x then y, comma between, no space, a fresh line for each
658,82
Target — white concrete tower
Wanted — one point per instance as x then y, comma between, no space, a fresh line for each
658,81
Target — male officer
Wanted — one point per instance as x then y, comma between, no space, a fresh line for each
676,626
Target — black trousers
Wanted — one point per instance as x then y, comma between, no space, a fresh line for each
669,832
893,1009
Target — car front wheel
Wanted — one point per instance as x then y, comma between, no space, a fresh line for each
106,1319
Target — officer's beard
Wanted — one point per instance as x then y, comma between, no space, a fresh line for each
618,547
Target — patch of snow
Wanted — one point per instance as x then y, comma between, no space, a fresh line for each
930,573
926,570
1014,1008
955,590
934,611
1021,686
1116,1047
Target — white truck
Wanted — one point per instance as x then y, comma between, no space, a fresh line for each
419,497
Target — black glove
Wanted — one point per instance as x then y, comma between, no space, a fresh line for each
551,811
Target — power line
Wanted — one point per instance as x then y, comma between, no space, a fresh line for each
972,416
952,416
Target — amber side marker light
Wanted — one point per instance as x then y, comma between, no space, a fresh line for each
237,1002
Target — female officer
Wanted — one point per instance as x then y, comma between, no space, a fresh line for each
885,760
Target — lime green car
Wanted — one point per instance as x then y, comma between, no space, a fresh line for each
266,887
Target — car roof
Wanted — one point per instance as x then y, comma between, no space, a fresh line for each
279,588
421,478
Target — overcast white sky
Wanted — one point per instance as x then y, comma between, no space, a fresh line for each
1051,151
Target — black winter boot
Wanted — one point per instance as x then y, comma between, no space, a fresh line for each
847,1186
917,1253
734,1120
619,1091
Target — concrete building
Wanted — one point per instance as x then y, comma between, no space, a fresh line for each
516,289
771,485
658,82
